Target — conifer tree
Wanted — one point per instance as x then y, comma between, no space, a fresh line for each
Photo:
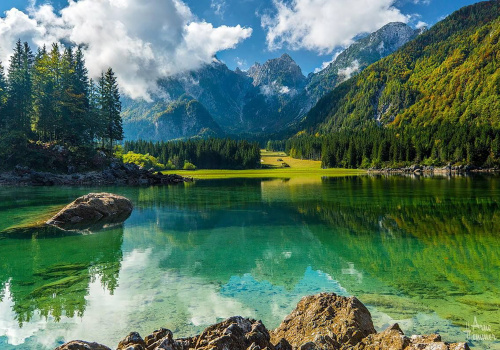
19,89
3,97
43,93
110,108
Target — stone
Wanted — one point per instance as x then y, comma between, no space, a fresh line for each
327,320
157,335
283,345
133,341
91,210
235,333
393,338
81,345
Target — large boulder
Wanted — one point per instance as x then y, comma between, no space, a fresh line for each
235,333
93,210
325,321
81,345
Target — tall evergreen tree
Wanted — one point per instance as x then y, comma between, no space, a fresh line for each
19,89
43,93
110,108
3,97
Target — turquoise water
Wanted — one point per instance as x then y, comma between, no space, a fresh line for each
422,252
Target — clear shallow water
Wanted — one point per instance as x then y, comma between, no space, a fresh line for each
424,253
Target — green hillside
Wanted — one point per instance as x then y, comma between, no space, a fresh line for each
450,73
444,83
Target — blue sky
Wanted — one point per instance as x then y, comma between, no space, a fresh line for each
254,49
239,32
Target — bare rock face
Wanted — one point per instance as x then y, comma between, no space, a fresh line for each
93,209
82,345
327,321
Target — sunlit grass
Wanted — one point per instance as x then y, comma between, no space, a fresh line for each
273,168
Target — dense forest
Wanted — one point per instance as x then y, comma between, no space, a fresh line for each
375,147
437,100
51,114
203,153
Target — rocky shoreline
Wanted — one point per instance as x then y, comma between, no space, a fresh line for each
432,170
324,321
115,174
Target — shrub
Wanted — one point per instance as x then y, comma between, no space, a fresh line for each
189,166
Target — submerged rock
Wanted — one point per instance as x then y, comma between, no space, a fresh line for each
93,209
321,322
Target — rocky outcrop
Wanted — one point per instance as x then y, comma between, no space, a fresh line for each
116,174
326,320
321,322
82,345
93,209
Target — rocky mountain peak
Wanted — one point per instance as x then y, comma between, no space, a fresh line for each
279,75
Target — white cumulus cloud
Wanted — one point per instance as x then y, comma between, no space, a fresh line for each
142,40
323,25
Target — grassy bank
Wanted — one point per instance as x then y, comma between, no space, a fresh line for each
273,167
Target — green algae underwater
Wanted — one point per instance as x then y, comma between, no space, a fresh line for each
423,252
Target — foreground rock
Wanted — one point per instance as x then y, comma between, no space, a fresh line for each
91,210
320,322
82,345
327,321
115,174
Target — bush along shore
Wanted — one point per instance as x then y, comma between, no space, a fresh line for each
321,322
116,174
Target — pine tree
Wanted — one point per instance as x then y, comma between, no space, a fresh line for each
19,89
43,93
3,97
110,108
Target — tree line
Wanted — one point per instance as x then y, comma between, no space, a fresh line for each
48,100
376,147
203,153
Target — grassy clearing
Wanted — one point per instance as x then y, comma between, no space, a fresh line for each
273,168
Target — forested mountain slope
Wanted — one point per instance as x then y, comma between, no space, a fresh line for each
184,118
451,73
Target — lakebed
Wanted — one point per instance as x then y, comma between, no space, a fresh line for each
420,251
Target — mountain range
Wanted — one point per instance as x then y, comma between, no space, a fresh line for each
267,98
449,74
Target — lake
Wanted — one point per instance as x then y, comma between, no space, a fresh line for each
423,252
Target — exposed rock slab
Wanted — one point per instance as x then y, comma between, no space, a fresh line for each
93,209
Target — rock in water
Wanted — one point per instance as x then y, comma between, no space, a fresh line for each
94,210
326,320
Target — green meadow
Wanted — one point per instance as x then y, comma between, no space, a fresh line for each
272,167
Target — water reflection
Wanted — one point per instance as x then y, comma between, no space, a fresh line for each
40,276
423,252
